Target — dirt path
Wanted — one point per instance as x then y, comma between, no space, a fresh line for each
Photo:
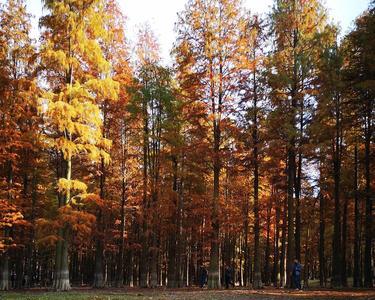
188,294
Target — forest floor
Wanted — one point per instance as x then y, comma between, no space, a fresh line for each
189,294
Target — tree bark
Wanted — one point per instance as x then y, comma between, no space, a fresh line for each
4,272
99,281
336,243
121,253
283,244
268,250
276,268
143,262
214,273
322,264
357,278
61,275
257,283
368,266
344,279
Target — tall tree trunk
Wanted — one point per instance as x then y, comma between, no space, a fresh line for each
99,281
121,252
61,276
180,213
268,250
276,268
307,258
336,243
322,264
257,283
298,187
143,262
283,244
4,272
246,243
154,160
172,236
99,268
291,244
214,273
344,278
291,165
31,251
368,265
154,251
357,278
4,263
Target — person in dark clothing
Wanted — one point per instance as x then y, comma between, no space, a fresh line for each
202,276
13,279
297,270
228,277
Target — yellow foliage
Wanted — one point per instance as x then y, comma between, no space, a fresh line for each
72,185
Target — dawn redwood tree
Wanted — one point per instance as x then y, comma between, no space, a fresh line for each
115,51
69,47
142,106
296,27
18,132
253,86
211,31
359,73
335,98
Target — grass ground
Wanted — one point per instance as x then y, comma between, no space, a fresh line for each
188,294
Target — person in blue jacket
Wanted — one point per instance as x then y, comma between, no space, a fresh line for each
297,270
202,276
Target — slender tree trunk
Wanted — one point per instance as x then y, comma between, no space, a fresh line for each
172,237
154,244
368,263
61,276
99,281
143,262
257,283
344,278
214,273
357,280
4,272
121,253
154,161
283,244
322,263
298,212
291,244
307,259
276,268
99,268
298,188
31,259
180,224
246,243
291,164
336,243
4,263
268,250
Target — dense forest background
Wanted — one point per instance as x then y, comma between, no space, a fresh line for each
254,149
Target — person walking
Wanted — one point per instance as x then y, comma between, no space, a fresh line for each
297,270
202,276
228,277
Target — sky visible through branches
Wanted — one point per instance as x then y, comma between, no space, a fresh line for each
161,16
